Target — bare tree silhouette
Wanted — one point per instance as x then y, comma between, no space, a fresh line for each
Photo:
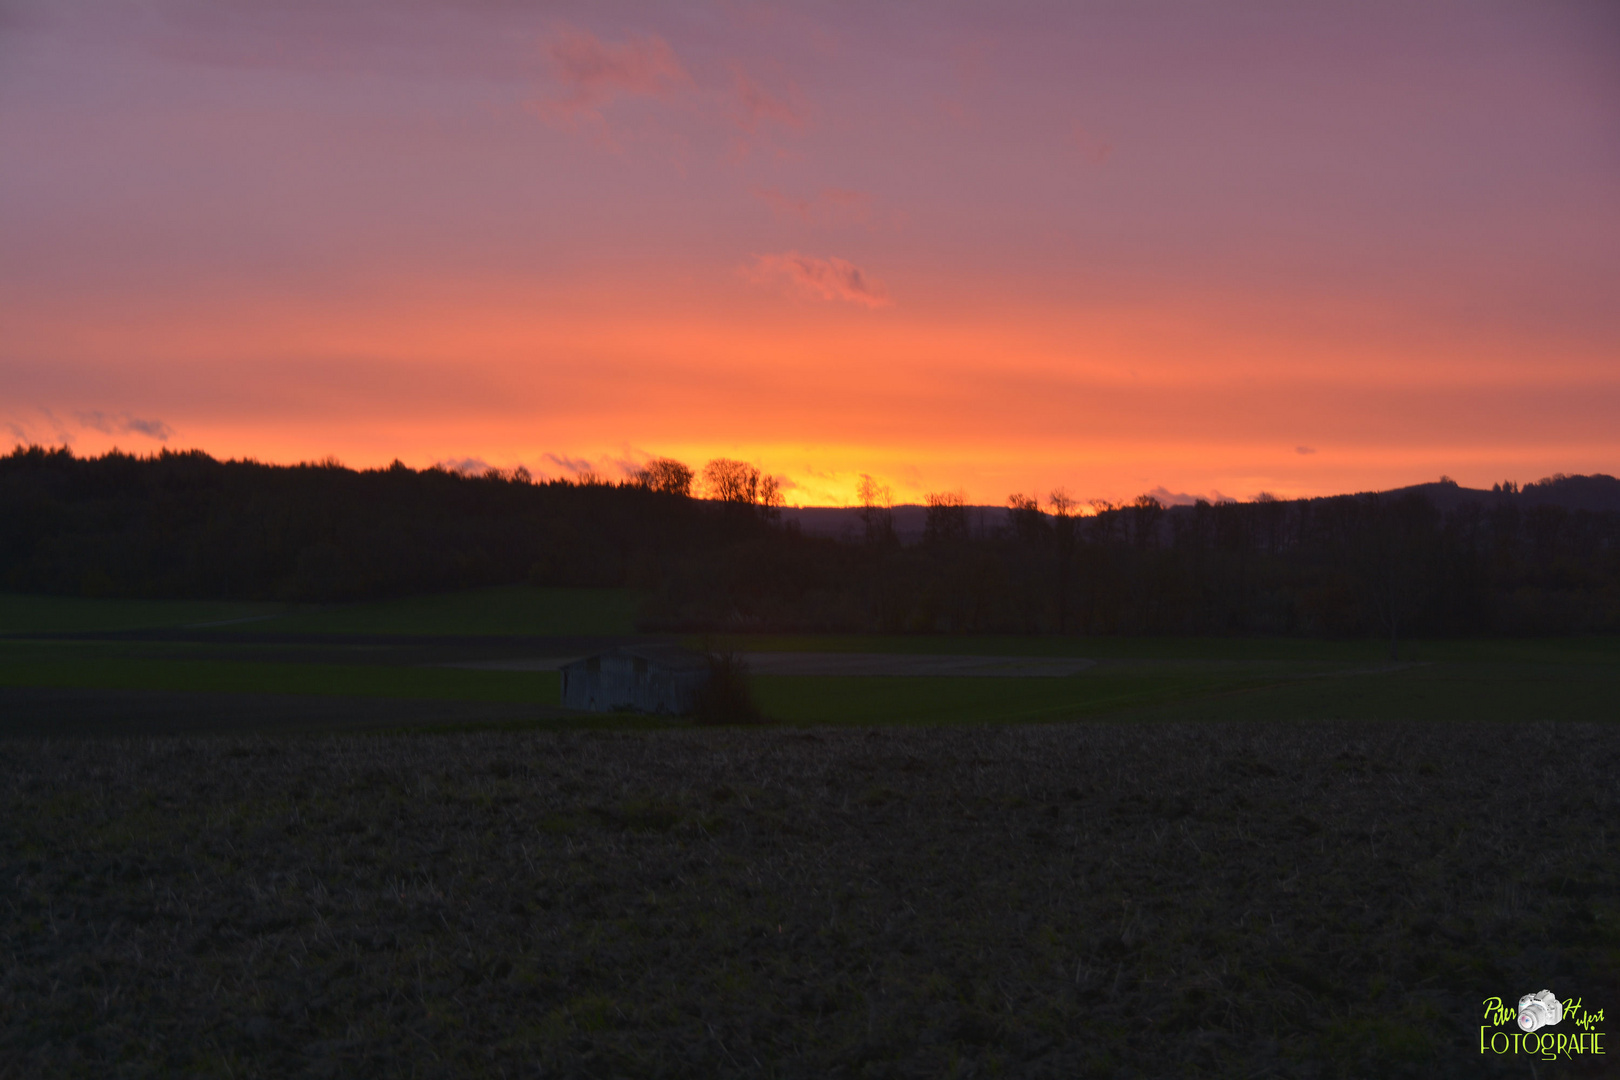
877,510
1029,524
770,497
666,475
946,520
1063,508
739,484
1145,514
731,481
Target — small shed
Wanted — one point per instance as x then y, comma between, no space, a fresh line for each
635,678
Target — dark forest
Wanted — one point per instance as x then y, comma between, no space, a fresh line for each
1436,560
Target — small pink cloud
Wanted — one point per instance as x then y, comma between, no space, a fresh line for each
123,423
1167,497
593,72
831,278
1090,144
466,466
756,105
829,206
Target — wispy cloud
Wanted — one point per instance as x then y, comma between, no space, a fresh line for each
629,466
123,423
466,466
757,105
1182,498
588,74
606,466
570,464
831,278
829,206
592,72
1304,449
34,432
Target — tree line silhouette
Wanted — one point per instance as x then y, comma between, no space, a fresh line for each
182,524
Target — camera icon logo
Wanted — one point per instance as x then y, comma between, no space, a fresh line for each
1539,1010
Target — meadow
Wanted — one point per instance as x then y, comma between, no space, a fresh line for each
518,610
405,650
280,849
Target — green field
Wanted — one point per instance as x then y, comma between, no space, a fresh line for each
106,669
1358,651
1166,690
71,614
944,700
332,652
512,610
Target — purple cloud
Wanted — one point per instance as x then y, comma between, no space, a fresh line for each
758,105
831,278
123,423
593,72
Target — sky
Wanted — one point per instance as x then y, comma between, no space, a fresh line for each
1188,248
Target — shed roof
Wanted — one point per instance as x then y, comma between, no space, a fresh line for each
673,657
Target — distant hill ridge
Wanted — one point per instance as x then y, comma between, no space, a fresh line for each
1597,492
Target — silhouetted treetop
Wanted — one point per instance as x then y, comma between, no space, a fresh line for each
740,484
665,475
947,520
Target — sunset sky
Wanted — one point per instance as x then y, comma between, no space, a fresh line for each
1195,248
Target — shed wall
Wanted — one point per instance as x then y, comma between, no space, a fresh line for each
628,683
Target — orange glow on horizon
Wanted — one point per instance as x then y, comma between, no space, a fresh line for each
1079,265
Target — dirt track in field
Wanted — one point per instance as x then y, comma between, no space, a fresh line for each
851,664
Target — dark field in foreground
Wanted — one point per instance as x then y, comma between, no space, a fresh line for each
1063,900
